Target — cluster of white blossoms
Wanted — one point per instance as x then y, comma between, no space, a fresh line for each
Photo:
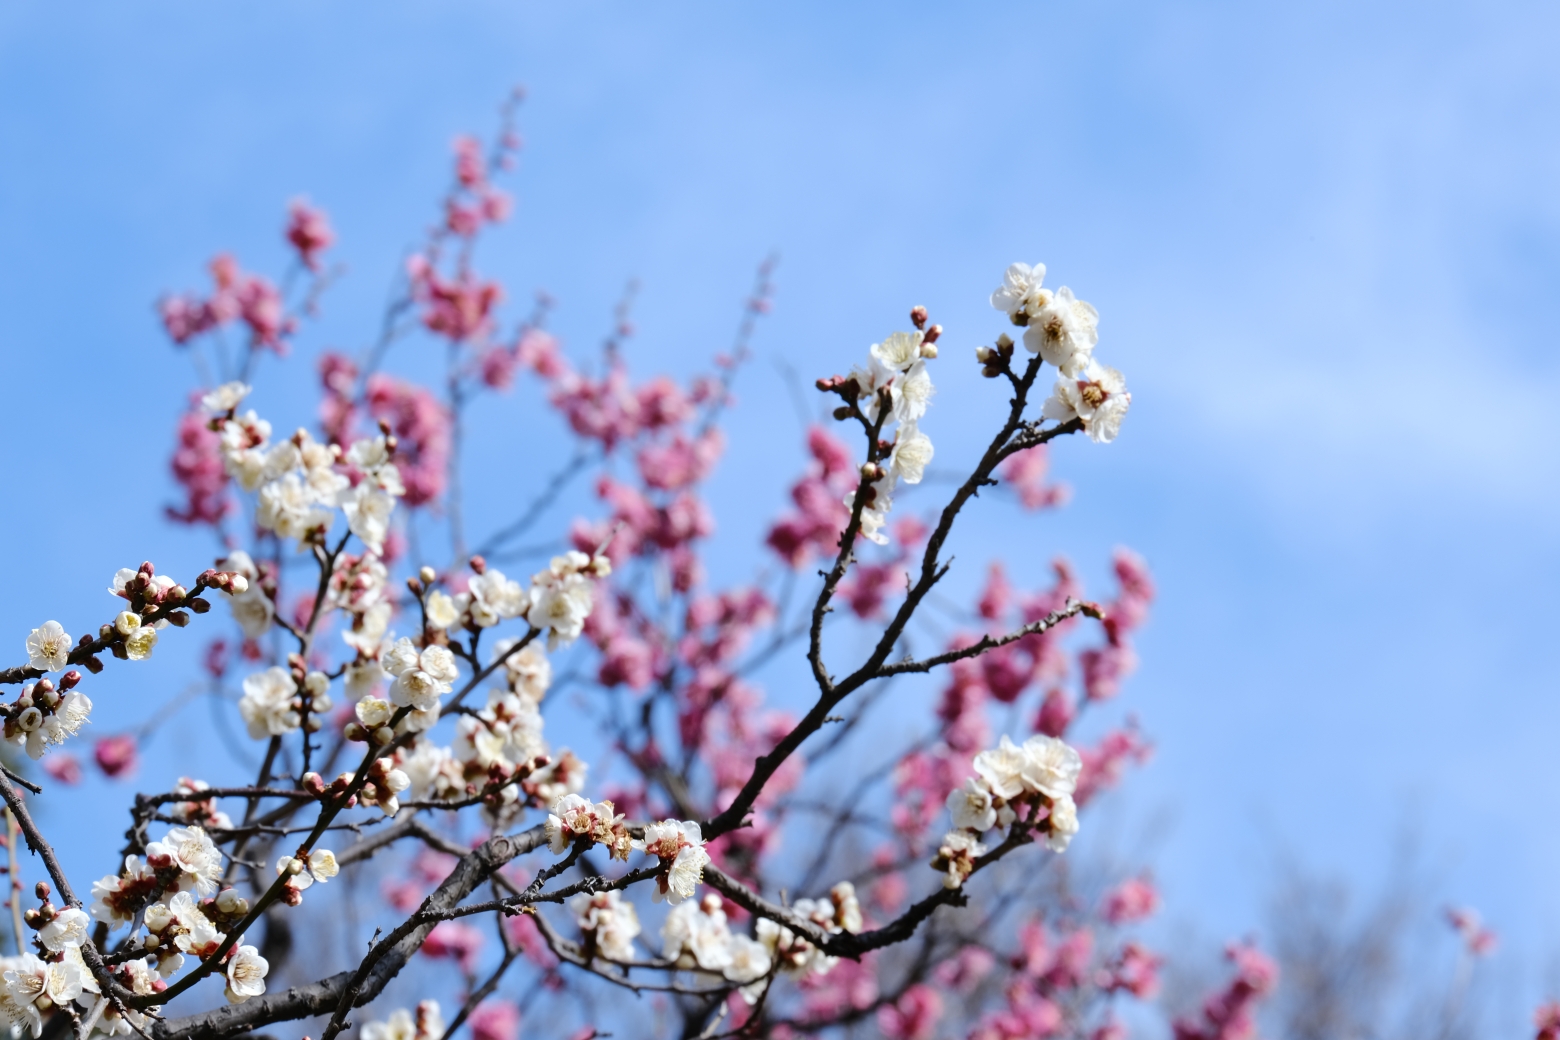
1033,782
157,897
677,843
1063,330
558,601
695,936
44,715
274,701
898,366
502,743
609,922
426,1024
299,481
33,986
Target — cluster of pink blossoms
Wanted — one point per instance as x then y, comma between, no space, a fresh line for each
237,296
1230,1013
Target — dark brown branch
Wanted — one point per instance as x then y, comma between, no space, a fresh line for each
1072,608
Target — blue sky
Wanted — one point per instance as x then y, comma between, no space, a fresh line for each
1323,241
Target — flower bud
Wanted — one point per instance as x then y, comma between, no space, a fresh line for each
69,680
427,574
928,351
983,354
415,586
231,903
352,731
179,618
93,665
932,335
478,565
383,735
843,412
314,783
918,316
237,584
198,605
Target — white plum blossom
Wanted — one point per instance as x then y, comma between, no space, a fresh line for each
1020,295
421,677
291,508
441,610
874,515
252,608
267,703
246,972
68,928
139,644
48,647
971,806
320,866
1003,768
750,962
192,851
1051,767
427,1025
367,633
694,934
913,393
1098,396
226,397
107,905
368,511
1063,331
912,453
527,670
1063,823
680,846
573,817
372,457
611,919
494,598
898,351
561,597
